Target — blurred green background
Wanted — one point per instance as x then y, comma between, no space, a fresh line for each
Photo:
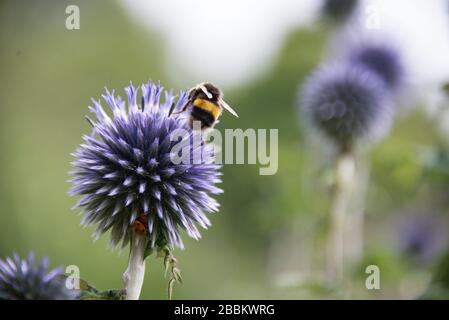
267,241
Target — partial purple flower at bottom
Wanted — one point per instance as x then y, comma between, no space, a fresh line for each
423,237
28,280
124,170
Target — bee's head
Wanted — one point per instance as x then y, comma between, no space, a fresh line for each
207,91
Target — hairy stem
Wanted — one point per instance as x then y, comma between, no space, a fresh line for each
134,274
344,176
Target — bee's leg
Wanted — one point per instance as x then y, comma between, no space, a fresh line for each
172,107
184,107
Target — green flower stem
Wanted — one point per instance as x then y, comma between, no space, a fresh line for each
134,274
344,179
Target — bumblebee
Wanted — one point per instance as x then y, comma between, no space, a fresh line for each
207,105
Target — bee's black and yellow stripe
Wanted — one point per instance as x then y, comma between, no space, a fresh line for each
205,111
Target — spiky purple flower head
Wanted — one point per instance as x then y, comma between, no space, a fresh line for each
346,103
382,59
26,280
124,170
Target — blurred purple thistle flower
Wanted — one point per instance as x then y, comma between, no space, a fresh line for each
382,59
347,103
422,237
124,170
24,280
339,10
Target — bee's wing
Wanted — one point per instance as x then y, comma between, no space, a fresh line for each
228,108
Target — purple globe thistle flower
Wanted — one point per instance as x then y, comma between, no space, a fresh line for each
124,171
24,280
383,60
346,103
